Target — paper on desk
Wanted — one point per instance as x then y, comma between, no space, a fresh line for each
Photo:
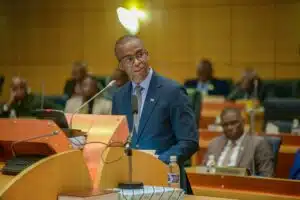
151,152
78,142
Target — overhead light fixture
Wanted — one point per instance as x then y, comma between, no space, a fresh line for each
132,13
129,20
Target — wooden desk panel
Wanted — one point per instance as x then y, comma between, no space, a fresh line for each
268,187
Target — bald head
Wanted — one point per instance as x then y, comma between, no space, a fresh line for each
204,70
232,123
132,57
123,40
18,88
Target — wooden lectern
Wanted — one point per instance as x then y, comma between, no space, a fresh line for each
44,180
17,130
109,166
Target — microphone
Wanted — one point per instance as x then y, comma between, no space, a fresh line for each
134,108
32,138
128,151
109,85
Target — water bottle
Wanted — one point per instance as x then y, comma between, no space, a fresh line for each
174,173
295,127
211,164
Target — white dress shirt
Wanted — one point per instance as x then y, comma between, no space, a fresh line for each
237,149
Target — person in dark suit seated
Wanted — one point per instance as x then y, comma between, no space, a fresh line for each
249,87
206,82
22,103
236,148
73,86
166,121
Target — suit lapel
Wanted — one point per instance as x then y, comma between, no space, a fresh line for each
243,150
150,102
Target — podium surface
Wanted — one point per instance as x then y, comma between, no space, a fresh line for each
62,172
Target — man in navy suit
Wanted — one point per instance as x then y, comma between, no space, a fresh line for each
166,120
206,83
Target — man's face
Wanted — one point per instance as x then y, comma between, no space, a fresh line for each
19,89
89,87
133,59
204,72
233,125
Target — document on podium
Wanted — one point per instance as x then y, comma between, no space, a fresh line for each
151,152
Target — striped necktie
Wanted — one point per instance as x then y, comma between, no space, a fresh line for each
138,93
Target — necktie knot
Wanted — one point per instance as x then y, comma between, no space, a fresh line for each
138,90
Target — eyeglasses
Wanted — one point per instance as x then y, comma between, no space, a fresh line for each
129,59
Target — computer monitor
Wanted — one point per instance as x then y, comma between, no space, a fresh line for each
55,115
281,109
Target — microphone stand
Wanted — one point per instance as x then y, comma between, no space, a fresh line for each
252,120
128,151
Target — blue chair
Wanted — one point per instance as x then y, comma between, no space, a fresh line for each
275,142
295,170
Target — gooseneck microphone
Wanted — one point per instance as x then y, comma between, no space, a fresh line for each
109,85
134,104
31,138
128,150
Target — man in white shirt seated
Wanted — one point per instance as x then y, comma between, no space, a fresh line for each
99,105
236,148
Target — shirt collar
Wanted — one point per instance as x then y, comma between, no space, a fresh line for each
146,82
239,141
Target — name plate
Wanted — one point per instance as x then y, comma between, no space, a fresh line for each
232,171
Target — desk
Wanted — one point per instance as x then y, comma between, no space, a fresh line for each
242,187
290,144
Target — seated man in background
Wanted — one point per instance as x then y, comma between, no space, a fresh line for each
206,82
250,86
22,103
100,105
73,85
236,148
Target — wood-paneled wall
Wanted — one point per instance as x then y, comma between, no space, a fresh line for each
40,39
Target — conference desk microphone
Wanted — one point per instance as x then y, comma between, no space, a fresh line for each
16,164
128,150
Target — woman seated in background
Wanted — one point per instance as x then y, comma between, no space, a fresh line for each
249,87
99,105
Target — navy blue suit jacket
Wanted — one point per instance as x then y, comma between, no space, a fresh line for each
167,124
221,87
295,170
